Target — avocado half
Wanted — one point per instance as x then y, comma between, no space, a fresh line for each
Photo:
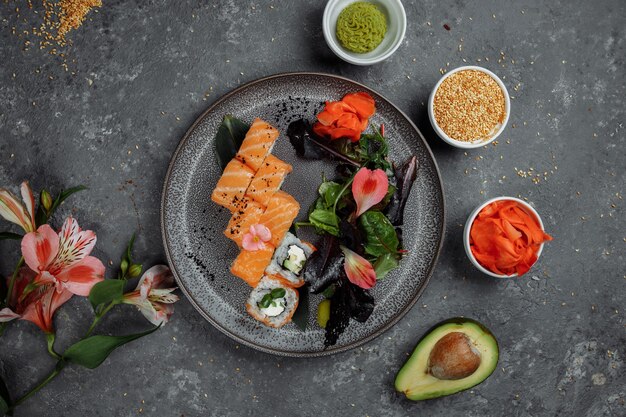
415,379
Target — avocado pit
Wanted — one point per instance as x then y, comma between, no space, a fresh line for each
453,357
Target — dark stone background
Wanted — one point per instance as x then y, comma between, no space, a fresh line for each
144,70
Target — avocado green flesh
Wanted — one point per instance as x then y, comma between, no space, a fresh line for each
417,383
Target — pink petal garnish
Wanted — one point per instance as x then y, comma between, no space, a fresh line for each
369,188
257,236
262,232
358,269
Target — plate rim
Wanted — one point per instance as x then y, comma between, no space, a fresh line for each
298,354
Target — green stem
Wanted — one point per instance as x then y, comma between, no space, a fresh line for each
50,338
12,281
343,190
57,370
98,318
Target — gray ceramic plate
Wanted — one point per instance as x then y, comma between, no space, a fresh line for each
192,225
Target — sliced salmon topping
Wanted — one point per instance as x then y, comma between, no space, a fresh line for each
257,144
268,179
281,211
232,185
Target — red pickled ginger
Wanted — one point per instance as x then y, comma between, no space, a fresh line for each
505,239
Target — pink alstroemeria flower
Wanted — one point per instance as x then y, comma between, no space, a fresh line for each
38,306
63,259
359,270
153,295
22,214
369,188
257,236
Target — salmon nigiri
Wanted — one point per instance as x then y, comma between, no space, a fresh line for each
281,211
257,144
268,179
232,185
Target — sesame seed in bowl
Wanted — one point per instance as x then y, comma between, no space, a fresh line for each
469,107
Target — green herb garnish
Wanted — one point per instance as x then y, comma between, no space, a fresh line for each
268,299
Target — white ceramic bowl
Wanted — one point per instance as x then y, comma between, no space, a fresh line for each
396,27
458,143
470,220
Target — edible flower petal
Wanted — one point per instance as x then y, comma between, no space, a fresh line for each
256,238
359,270
369,188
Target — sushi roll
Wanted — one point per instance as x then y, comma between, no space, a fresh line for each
232,185
281,211
268,179
272,303
289,260
249,265
257,144
248,213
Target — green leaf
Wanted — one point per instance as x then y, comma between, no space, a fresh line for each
40,216
265,301
301,315
92,351
380,235
278,293
106,291
63,195
10,235
384,264
373,150
129,249
329,291
325,221
5,398
228,138
330,192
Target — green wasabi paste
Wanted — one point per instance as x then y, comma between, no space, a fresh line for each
361,27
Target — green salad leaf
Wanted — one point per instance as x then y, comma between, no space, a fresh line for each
380,235
330,192
325,220
384,264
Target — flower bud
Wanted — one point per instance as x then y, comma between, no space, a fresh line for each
46,199
134,270
124,266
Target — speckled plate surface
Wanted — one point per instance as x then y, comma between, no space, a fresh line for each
200,255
